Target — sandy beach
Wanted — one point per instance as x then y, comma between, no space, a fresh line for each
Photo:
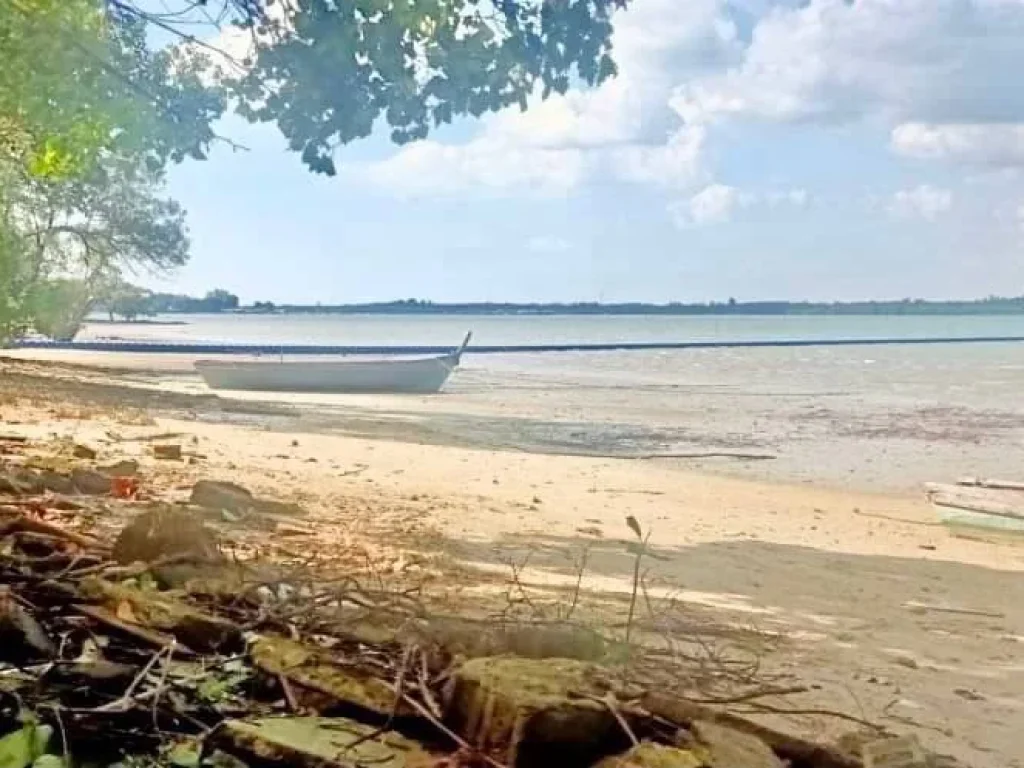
872,603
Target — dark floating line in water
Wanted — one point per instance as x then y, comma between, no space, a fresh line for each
310,349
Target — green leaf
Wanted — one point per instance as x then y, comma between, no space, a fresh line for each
19,749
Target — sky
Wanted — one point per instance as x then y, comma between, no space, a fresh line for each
756,149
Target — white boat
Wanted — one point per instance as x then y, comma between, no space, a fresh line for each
415,375
980,509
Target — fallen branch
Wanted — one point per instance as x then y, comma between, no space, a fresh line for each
157,639
34,525
122,703
709,455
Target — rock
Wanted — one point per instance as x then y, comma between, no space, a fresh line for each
22,639
163,533
894,752
316,742
473,639
218,494
729,748
90,482
55,482
277,508
531,712
167,451
649,755
314,669
20,482
83,452
124,468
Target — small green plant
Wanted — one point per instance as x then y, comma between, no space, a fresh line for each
639,550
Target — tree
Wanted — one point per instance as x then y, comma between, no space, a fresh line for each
59,307
328,71
219,300
127,301
78,82
89,117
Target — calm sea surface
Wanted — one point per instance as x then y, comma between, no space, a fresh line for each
533,329
880,416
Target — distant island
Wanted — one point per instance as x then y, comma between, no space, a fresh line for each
140,303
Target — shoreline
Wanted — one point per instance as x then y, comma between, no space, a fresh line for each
882,424
870,600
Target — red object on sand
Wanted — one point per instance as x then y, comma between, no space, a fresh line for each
124,487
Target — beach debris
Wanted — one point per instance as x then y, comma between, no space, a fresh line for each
191,628
145,438
124,487
317,741
124,625
167,451
528,711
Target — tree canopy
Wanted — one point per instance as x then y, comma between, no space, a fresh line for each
327,72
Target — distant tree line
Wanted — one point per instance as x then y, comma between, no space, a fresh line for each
993,305
130,303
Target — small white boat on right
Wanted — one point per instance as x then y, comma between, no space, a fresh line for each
990,510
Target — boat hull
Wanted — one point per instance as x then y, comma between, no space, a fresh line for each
974,510
981,526
409,376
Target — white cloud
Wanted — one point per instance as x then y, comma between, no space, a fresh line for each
548,244
990,145
832,60
624,127
714,204
924,201
797,198
719,203
677,163
428,167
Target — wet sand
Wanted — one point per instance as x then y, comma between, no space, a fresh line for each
874,603
876,419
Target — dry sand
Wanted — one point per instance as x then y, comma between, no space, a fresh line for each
876,605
